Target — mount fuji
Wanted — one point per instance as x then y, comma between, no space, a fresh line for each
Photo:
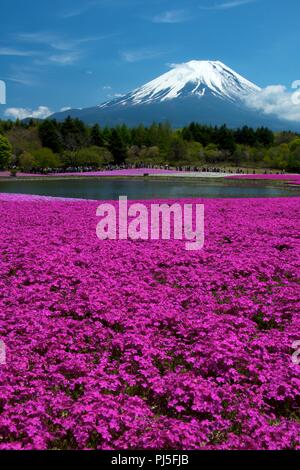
195,78
207,92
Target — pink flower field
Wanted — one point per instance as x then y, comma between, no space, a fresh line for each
125,172
290,179
143,345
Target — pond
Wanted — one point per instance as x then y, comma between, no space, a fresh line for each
147,188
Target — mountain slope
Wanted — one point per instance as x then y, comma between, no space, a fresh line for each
204,91
194,78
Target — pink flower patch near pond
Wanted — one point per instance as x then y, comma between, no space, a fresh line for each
13,197
292,179
7,174
128,172
143,345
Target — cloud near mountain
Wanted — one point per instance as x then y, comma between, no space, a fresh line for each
276,100
42,112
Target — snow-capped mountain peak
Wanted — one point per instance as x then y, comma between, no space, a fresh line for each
195,78
207,92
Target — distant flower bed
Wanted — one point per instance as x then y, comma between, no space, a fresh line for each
294,179
143,345
126,172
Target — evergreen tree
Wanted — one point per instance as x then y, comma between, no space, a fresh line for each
106,133
74,133
5,152
224,138
117,147
125,134
50,135
178,150
264,137
153,135
139,136
96,137
245,136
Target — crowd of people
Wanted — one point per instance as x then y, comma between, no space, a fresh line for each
194,169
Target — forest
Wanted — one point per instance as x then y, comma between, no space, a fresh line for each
44,146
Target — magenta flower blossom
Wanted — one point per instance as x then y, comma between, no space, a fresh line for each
144,345
291,179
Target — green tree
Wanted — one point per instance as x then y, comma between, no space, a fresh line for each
212,154
117,147
284,137
125,134
178,150
295,144
224,138
45,158
245,136
195,152
278,157
74,133
293,162
150,155
94,157
133,155
139,136
50,135
96,137
22,139
26,161
5,152
69,158
264,137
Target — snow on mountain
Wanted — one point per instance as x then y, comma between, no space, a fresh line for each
194,78
207,92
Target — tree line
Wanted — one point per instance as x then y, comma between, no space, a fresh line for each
38,146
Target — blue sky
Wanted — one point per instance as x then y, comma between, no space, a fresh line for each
78,53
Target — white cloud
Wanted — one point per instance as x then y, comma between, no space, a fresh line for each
64,59
21,74
49,39
41,112
19,80
138,55
75,12
10,51
88,5
59,48
65,108
227,5
277,100
171,17
58,41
